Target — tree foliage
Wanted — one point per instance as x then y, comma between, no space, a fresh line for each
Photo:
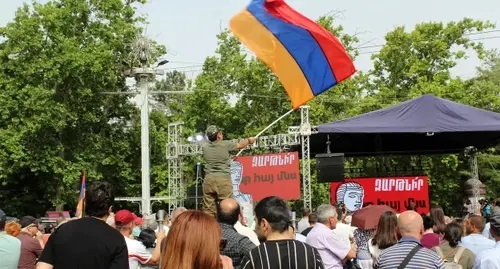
412,63
59,60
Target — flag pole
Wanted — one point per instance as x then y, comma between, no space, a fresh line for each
269,126
85,194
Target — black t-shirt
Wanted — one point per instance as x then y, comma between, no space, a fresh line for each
86,243
306,231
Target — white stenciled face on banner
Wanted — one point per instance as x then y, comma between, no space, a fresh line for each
236,178
351,194
236,172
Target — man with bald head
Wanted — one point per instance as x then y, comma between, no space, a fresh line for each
237,245
408,252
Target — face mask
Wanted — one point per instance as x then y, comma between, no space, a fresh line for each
136,231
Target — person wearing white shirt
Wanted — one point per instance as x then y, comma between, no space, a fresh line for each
244,230
137,252
304,222
490,258
300,237
486,231
475,241
344,230
241,228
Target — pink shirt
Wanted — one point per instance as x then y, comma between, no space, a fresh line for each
430,240
331,248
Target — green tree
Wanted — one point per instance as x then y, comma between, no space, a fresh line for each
417,62
420,61
484,92
57,60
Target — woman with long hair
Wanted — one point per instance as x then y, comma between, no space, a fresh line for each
386,234
449,249
194,242
437,215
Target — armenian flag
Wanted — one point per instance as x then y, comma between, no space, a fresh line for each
307,58
81,200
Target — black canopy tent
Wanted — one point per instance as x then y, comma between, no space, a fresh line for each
424,125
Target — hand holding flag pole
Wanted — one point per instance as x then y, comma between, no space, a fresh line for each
307,58
269,126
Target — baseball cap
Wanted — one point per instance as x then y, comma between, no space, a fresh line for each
3,217
212,129
124,217
28,221
138,220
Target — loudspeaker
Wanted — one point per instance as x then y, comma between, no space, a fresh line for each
330,167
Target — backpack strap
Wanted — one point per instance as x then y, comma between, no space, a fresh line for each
439,251
409,256
458,255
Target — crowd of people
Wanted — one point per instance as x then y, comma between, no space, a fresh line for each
191,239
421,241
218,236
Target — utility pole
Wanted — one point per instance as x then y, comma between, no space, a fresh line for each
144,75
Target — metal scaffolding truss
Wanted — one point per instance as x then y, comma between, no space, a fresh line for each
297,135
139,199
305,133
271,141
174,162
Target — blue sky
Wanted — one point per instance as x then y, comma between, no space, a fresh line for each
188,28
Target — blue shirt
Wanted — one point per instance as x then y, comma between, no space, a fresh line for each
10,251
487,210
488,259
476,243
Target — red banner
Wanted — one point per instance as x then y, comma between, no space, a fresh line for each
399,193
256,177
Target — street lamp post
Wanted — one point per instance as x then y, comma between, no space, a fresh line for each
143,76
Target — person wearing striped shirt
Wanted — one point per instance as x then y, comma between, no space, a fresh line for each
278,249
411,228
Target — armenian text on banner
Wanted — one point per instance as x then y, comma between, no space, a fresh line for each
399,193
259,176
